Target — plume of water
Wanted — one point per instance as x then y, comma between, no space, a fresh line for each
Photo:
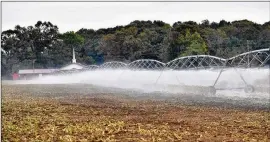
169,81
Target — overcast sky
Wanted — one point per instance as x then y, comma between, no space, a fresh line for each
93,15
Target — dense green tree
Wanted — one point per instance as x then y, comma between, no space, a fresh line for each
214,40
72,39
193,43
75,40
28,44
43,46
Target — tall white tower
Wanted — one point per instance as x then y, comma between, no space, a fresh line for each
74,59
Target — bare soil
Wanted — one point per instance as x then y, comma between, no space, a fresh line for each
88,113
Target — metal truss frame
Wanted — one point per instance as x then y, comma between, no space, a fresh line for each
196,62
256,58
146,64
113,65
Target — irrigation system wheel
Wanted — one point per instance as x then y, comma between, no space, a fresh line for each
212,91
249,89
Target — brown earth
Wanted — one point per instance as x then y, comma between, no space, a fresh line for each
47,113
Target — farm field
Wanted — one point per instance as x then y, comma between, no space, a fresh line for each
82,112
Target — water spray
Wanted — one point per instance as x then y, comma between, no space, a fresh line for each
200,75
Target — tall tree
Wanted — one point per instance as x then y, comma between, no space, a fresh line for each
43,45
28,44
75,41
194,44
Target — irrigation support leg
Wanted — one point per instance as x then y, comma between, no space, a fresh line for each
240,76
218,76
177,79
121,75
175,76
159,76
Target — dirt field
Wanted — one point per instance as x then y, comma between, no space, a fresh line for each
86,113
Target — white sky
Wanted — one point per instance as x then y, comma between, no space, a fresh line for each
93,15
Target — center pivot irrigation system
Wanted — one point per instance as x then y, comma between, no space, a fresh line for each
253,59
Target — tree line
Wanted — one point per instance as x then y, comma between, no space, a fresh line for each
43,46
